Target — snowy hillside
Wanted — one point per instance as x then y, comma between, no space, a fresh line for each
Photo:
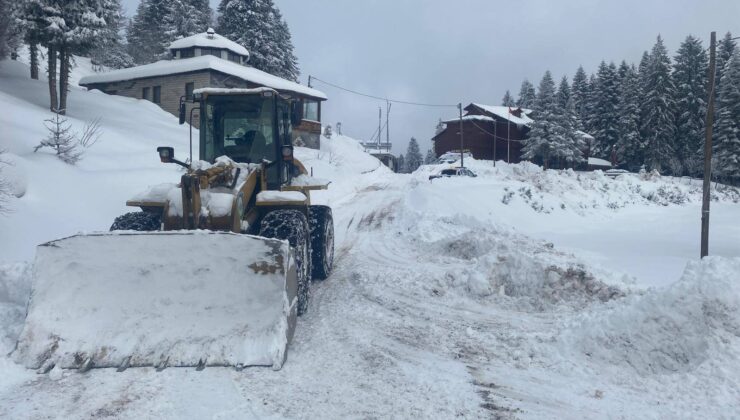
516,294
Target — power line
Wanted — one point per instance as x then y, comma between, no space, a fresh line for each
493,135
397,101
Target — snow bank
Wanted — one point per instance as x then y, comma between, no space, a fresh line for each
15,287
669,330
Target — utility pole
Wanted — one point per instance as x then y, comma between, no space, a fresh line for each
387,124
508,138
709,121
380,123
462,143
495,139
309,81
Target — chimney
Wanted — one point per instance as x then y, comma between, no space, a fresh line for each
210,33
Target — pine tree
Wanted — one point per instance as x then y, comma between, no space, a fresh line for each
644,84
579,93
538,143
401,164
725,49
6,27
659,122
630,147
727,147
110,50
413,156
151,30
690,78
604,115
508,100
191,17
563,95
527,95
430,157
65,27
259,27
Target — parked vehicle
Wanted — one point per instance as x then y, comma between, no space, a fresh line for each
450,172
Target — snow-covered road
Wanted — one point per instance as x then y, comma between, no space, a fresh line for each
517,294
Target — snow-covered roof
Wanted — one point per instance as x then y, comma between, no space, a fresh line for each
584,135
469,118
503,112
209,39
592,161
169,67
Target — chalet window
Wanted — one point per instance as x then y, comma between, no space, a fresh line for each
210,51
189,87
157,94
235,58
187,53
310,110
145,93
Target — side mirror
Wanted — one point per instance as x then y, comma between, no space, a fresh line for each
296,112
182,112
166,154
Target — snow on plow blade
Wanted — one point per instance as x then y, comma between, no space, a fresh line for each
160,299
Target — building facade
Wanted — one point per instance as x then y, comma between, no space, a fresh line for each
488,132
203,61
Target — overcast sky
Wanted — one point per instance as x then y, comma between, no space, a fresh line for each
471,50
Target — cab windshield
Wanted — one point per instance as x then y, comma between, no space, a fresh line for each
240,128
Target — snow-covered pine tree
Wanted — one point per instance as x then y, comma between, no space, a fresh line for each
605,115
191,17
725,48
580,95
563,95
537,145
65,28
401,164
690,79
258,26
508,100
568,143
430,158
629,143
110,50
440,127
643,82
6,23
288,61
659,123
727,147
527,95
413,156
151,30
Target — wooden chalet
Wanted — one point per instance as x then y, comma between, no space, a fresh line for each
481,124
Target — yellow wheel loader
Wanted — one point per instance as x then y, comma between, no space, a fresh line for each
213,271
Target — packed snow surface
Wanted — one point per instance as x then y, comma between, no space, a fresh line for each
280,196
521,293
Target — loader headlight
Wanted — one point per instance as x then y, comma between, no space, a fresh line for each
287,152
166,154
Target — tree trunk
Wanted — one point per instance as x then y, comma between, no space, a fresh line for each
53,101
34,49
63,79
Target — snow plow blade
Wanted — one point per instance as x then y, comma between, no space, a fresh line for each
164,299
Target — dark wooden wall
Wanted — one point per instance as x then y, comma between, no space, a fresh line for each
478,139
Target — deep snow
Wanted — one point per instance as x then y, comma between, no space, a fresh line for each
517,294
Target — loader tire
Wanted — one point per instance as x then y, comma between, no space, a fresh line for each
322,241
292,225
138,220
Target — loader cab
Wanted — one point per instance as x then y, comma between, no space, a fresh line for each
249,126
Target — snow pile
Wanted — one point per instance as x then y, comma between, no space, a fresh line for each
14,290
52,199
669,330
526,185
